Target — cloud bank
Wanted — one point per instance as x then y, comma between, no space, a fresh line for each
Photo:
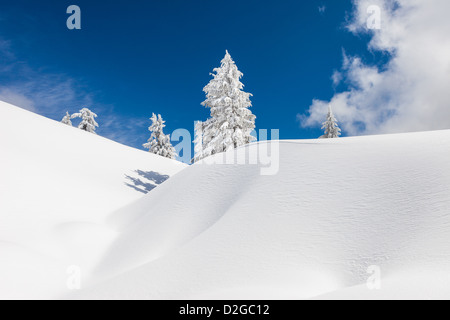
412,91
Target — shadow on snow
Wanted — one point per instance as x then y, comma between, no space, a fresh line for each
146,182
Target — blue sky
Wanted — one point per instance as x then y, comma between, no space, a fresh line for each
132,58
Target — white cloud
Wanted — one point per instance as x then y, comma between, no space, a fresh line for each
126,130
48,95
322,9
12,96
36,90
337,78
412,92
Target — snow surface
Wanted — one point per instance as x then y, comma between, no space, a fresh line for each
336,207
58,185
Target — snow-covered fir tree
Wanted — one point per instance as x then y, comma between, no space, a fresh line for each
88,122
201,140
330,126
67,119
231,122
159,143
198,142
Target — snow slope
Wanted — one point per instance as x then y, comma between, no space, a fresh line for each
57,186
335,208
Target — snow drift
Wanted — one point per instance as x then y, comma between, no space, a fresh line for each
58,184
336,207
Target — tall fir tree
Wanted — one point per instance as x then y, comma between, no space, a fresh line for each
231,122
159,143
88,122
198,142
331,126
67,119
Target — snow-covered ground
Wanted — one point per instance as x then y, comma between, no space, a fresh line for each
58,185
336,207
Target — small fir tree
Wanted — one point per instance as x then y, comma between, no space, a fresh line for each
159,143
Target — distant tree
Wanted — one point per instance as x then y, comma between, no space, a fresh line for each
88,122
66,119
331,126
231,122
159,143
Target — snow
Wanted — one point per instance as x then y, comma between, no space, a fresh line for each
58,185
417,284
223,231
312,229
